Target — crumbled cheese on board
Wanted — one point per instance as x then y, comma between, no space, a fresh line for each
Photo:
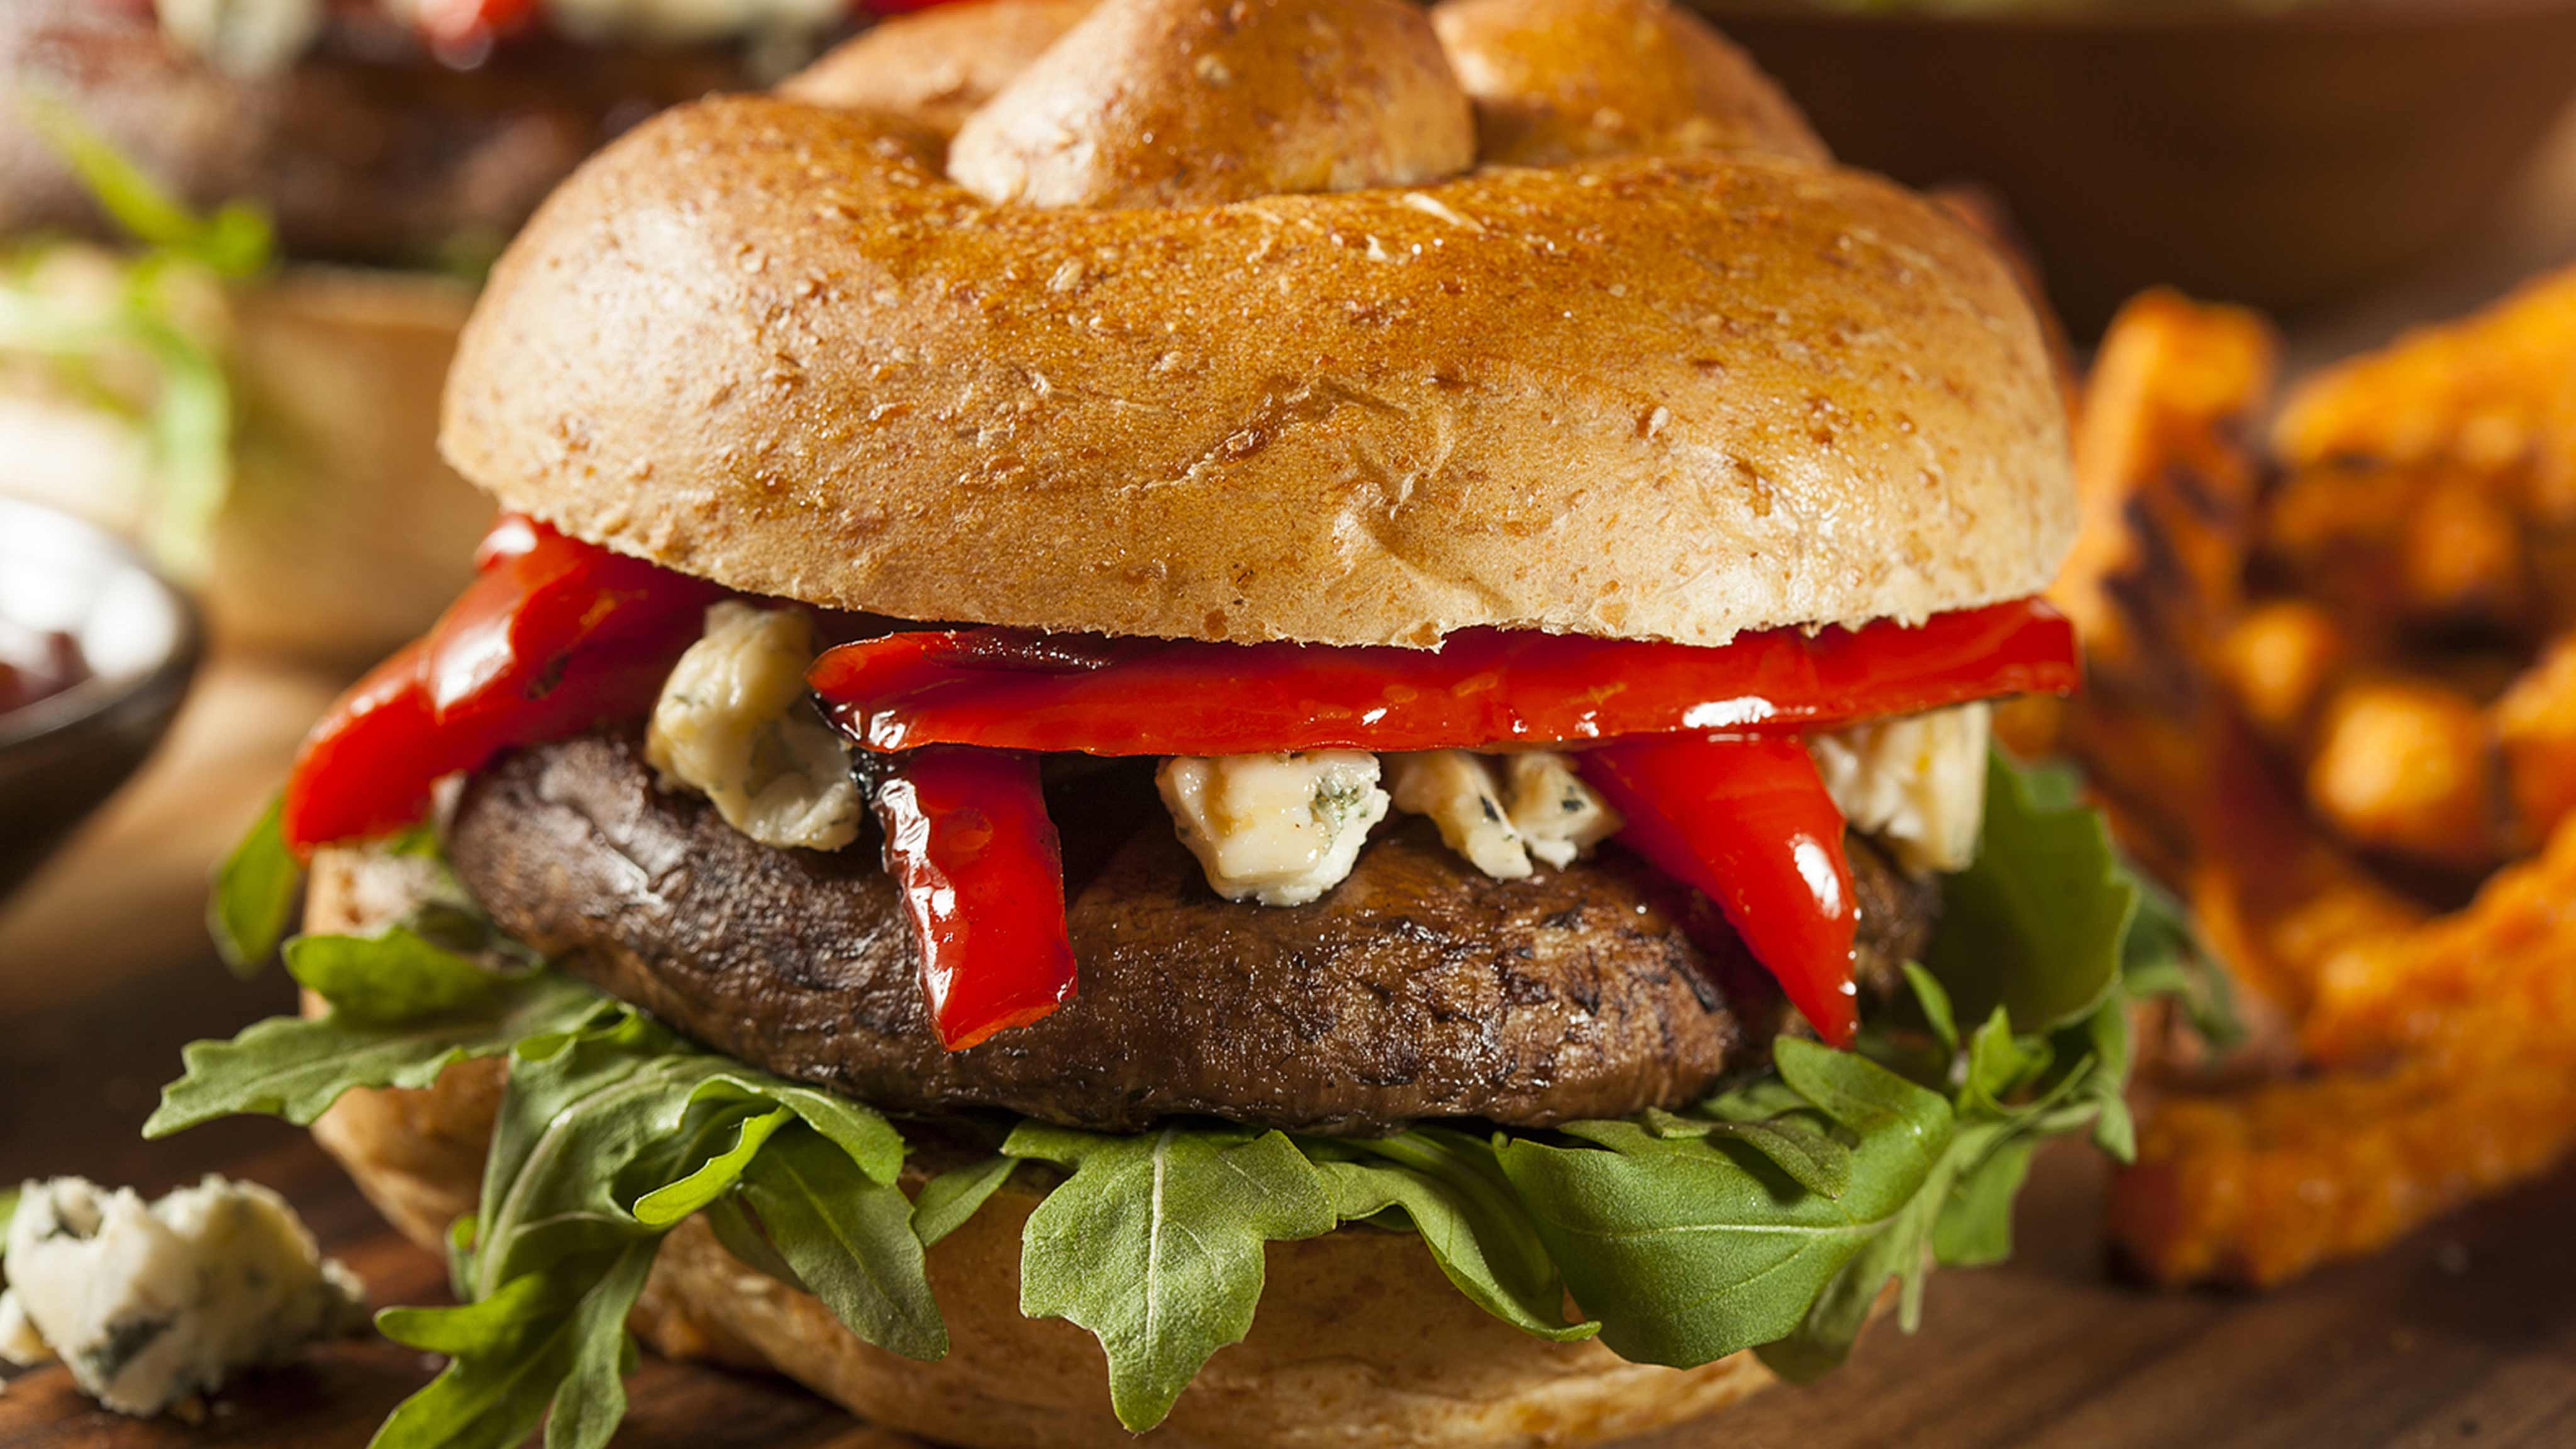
151,1305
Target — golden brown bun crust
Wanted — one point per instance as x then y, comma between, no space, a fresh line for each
1664,397
1359,1340
1180,102
1561,80
936,66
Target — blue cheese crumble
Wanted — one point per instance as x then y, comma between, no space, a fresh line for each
1279,829
734,723
151,1305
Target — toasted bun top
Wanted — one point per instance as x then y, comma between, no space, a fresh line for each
1211,324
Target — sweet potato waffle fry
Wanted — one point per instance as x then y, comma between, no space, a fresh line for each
2468,1019
2167,485
2335,700
2496,393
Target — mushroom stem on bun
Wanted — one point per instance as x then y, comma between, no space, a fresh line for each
1264,721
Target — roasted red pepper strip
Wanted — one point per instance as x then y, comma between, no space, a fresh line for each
1009,689
969,840
1745,820
347,782
552,637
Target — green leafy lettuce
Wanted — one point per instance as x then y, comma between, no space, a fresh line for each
98,331
611,1131
253,900
1772,1216
1155,1244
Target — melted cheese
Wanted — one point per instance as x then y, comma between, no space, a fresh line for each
1917,783
153,1304
1278,829
734,724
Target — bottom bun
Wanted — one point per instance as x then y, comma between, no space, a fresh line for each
1358,1340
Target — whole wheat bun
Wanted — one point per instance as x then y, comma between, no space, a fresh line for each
1691,381
1359,1339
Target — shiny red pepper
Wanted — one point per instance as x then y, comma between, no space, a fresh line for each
1010,689
969,840
555,635
1745,820
552,637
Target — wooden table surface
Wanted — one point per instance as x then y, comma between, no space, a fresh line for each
2463,1334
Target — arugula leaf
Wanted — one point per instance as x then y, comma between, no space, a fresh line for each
747,1108
1754,1099
745,1239
1446,1187
537,1342
504,1320
2013,1091
450,920
1155,1245
1974,1227
388,978
611,1131
580,1109
592,1400
1832,1323
1773,1215
862,1132
191,434
253,899
2037,924
2163,956
295,1069
2101,1093
459,1246
2000,1064
849,1238
1811,1158
948,1200
1687,1258
668,1204
1935,1003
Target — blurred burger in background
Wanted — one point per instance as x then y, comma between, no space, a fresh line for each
237,239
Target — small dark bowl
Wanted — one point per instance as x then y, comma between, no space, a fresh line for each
2280,159
63,755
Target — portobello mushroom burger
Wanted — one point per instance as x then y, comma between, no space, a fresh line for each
1266,722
